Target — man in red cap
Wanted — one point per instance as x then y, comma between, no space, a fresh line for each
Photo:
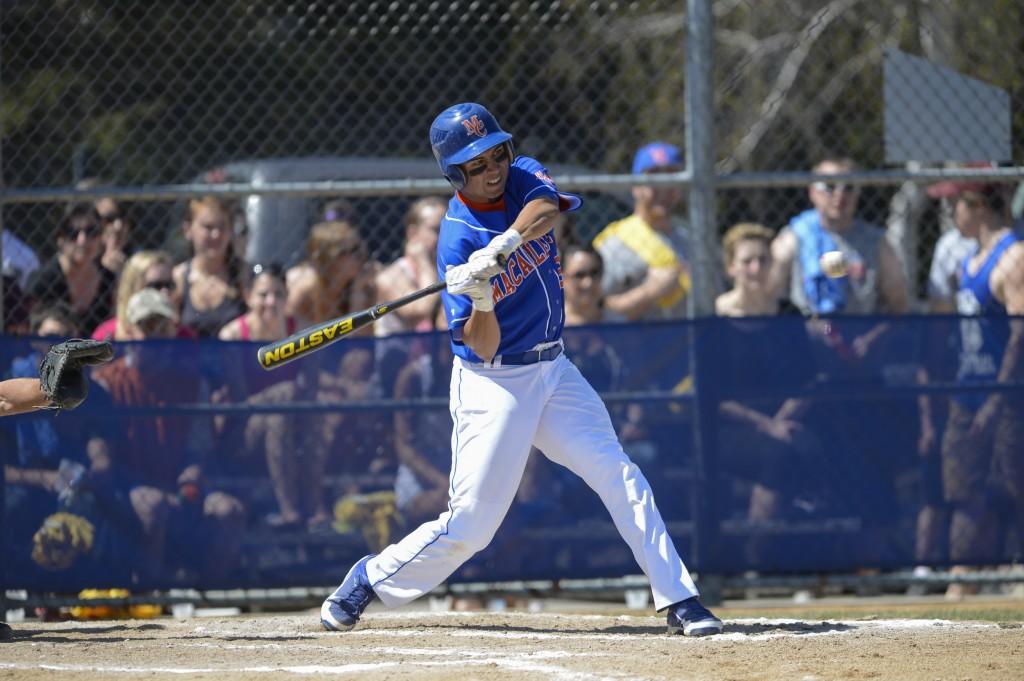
983,447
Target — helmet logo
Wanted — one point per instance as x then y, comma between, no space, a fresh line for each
475,126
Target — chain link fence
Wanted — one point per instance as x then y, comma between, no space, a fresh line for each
132,95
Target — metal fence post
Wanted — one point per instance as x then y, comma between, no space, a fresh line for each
700,136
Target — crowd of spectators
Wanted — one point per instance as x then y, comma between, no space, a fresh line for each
162,465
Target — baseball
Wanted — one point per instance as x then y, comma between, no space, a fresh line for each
833,264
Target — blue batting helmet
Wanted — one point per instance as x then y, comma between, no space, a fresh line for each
461,133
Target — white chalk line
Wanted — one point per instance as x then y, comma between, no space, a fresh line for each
550,671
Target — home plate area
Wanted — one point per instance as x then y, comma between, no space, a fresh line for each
511,645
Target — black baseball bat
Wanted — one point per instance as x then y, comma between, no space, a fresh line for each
319,336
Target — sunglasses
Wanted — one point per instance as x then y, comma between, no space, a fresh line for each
833,187
109,218
161,285
583,274
90,231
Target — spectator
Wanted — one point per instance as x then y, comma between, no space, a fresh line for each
186,524
332,210
117,229
208,284
982,461
265,320
144,269
337,278
646,276
73,276
763,441
19,260
582,272
414,270
875,282
850,348
747,250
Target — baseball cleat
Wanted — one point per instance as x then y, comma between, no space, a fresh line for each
690,618
342,609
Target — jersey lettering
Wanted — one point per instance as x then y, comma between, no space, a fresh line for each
527,292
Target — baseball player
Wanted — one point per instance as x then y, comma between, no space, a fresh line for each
511,385
61,385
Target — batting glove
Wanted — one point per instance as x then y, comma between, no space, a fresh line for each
490,260
505,243
483,265
460,281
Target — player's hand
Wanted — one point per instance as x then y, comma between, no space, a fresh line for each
490,260
483,264
505,243
459,281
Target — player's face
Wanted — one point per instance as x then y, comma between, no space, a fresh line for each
835,201
750,264
487,174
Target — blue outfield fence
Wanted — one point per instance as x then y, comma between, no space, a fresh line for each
811,446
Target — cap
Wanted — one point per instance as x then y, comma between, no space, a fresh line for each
941,190
656,155
148,303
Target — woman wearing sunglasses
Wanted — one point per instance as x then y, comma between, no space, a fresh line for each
145,269
74,276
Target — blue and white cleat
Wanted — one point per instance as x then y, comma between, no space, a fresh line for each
342,609
690,618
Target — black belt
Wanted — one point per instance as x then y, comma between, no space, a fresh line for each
530,356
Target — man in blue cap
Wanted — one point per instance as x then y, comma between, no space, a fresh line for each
646,275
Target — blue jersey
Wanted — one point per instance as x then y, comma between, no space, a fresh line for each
528,300
985,328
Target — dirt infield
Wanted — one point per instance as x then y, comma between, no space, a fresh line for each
513,645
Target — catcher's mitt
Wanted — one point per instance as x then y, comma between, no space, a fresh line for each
60,372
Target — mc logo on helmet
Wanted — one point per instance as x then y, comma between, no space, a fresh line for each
475,126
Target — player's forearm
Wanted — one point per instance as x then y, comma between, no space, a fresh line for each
536,219
19,395
482,334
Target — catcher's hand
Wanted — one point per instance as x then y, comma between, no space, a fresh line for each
60,372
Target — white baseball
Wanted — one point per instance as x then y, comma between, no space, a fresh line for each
833,264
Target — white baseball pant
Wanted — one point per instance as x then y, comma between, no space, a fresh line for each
498,414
